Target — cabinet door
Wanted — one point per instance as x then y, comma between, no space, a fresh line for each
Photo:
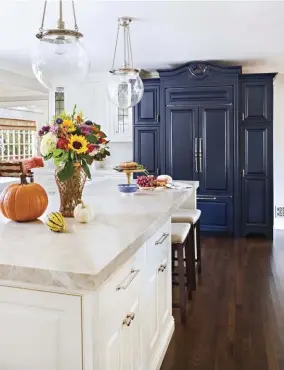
147,148
257,202
182,141
165,291
147,111
215,150
152,309
39,330
256,101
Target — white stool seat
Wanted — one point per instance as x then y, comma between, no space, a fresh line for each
179,232
186,215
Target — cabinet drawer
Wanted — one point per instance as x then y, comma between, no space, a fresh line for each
121,286
216,213
158,245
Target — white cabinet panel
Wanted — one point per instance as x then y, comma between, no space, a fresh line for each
165,293
39,330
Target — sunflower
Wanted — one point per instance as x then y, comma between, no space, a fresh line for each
68,125
78,144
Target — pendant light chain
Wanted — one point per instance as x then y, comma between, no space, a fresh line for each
74,15
130,59
115,48
124,22
125,51
43,17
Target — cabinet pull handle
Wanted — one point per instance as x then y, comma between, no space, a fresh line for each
124,285
243,116
162,239
243,173
200,147
162,267
206,198
158,117
157,171
200,164
195,154
200,154
131,315
127,321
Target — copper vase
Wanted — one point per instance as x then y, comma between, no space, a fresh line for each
71,190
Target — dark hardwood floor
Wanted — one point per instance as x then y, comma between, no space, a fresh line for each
236,318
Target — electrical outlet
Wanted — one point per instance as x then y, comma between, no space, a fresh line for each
279,212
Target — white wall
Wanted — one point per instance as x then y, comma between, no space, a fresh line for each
92,99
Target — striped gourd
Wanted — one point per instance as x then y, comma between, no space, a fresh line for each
55,222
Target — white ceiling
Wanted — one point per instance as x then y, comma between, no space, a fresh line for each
164,33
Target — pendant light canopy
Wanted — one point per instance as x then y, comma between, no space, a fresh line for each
125,87
60,62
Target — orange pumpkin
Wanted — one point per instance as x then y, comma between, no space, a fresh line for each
24,201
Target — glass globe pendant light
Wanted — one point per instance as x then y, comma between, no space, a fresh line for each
125,87
60,62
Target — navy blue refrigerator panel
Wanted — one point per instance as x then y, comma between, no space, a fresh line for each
182,142
215,149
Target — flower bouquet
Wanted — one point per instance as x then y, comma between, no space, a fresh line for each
74,143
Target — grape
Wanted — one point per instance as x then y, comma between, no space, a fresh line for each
146,181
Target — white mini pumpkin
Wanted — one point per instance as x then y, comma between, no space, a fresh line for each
83,213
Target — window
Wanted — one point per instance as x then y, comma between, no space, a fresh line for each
59,103
17,139
123,121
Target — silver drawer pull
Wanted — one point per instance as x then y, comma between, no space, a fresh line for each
124,285
127,321
162,238
206,198
162,267
131,315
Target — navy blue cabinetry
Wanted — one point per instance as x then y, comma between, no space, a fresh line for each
182,142
198,137
215,125
147,127
147,147
147,112
256,154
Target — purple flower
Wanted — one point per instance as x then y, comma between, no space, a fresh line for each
59,121
54,129
44,130
89,123
85,130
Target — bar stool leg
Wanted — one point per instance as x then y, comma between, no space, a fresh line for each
191,250
198,249
181,279
188,266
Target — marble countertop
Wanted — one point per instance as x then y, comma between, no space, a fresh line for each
86,255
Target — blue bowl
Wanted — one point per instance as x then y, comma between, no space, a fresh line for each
127,188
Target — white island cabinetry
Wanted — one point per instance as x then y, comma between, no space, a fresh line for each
95,298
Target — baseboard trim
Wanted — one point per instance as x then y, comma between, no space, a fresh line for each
164,344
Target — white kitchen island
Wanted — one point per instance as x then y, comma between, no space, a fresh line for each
97,297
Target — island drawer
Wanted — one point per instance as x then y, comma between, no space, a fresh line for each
158,245
123,284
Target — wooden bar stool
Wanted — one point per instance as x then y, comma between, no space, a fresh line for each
191,216
181,254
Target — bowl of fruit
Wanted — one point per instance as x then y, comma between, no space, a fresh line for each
146,182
